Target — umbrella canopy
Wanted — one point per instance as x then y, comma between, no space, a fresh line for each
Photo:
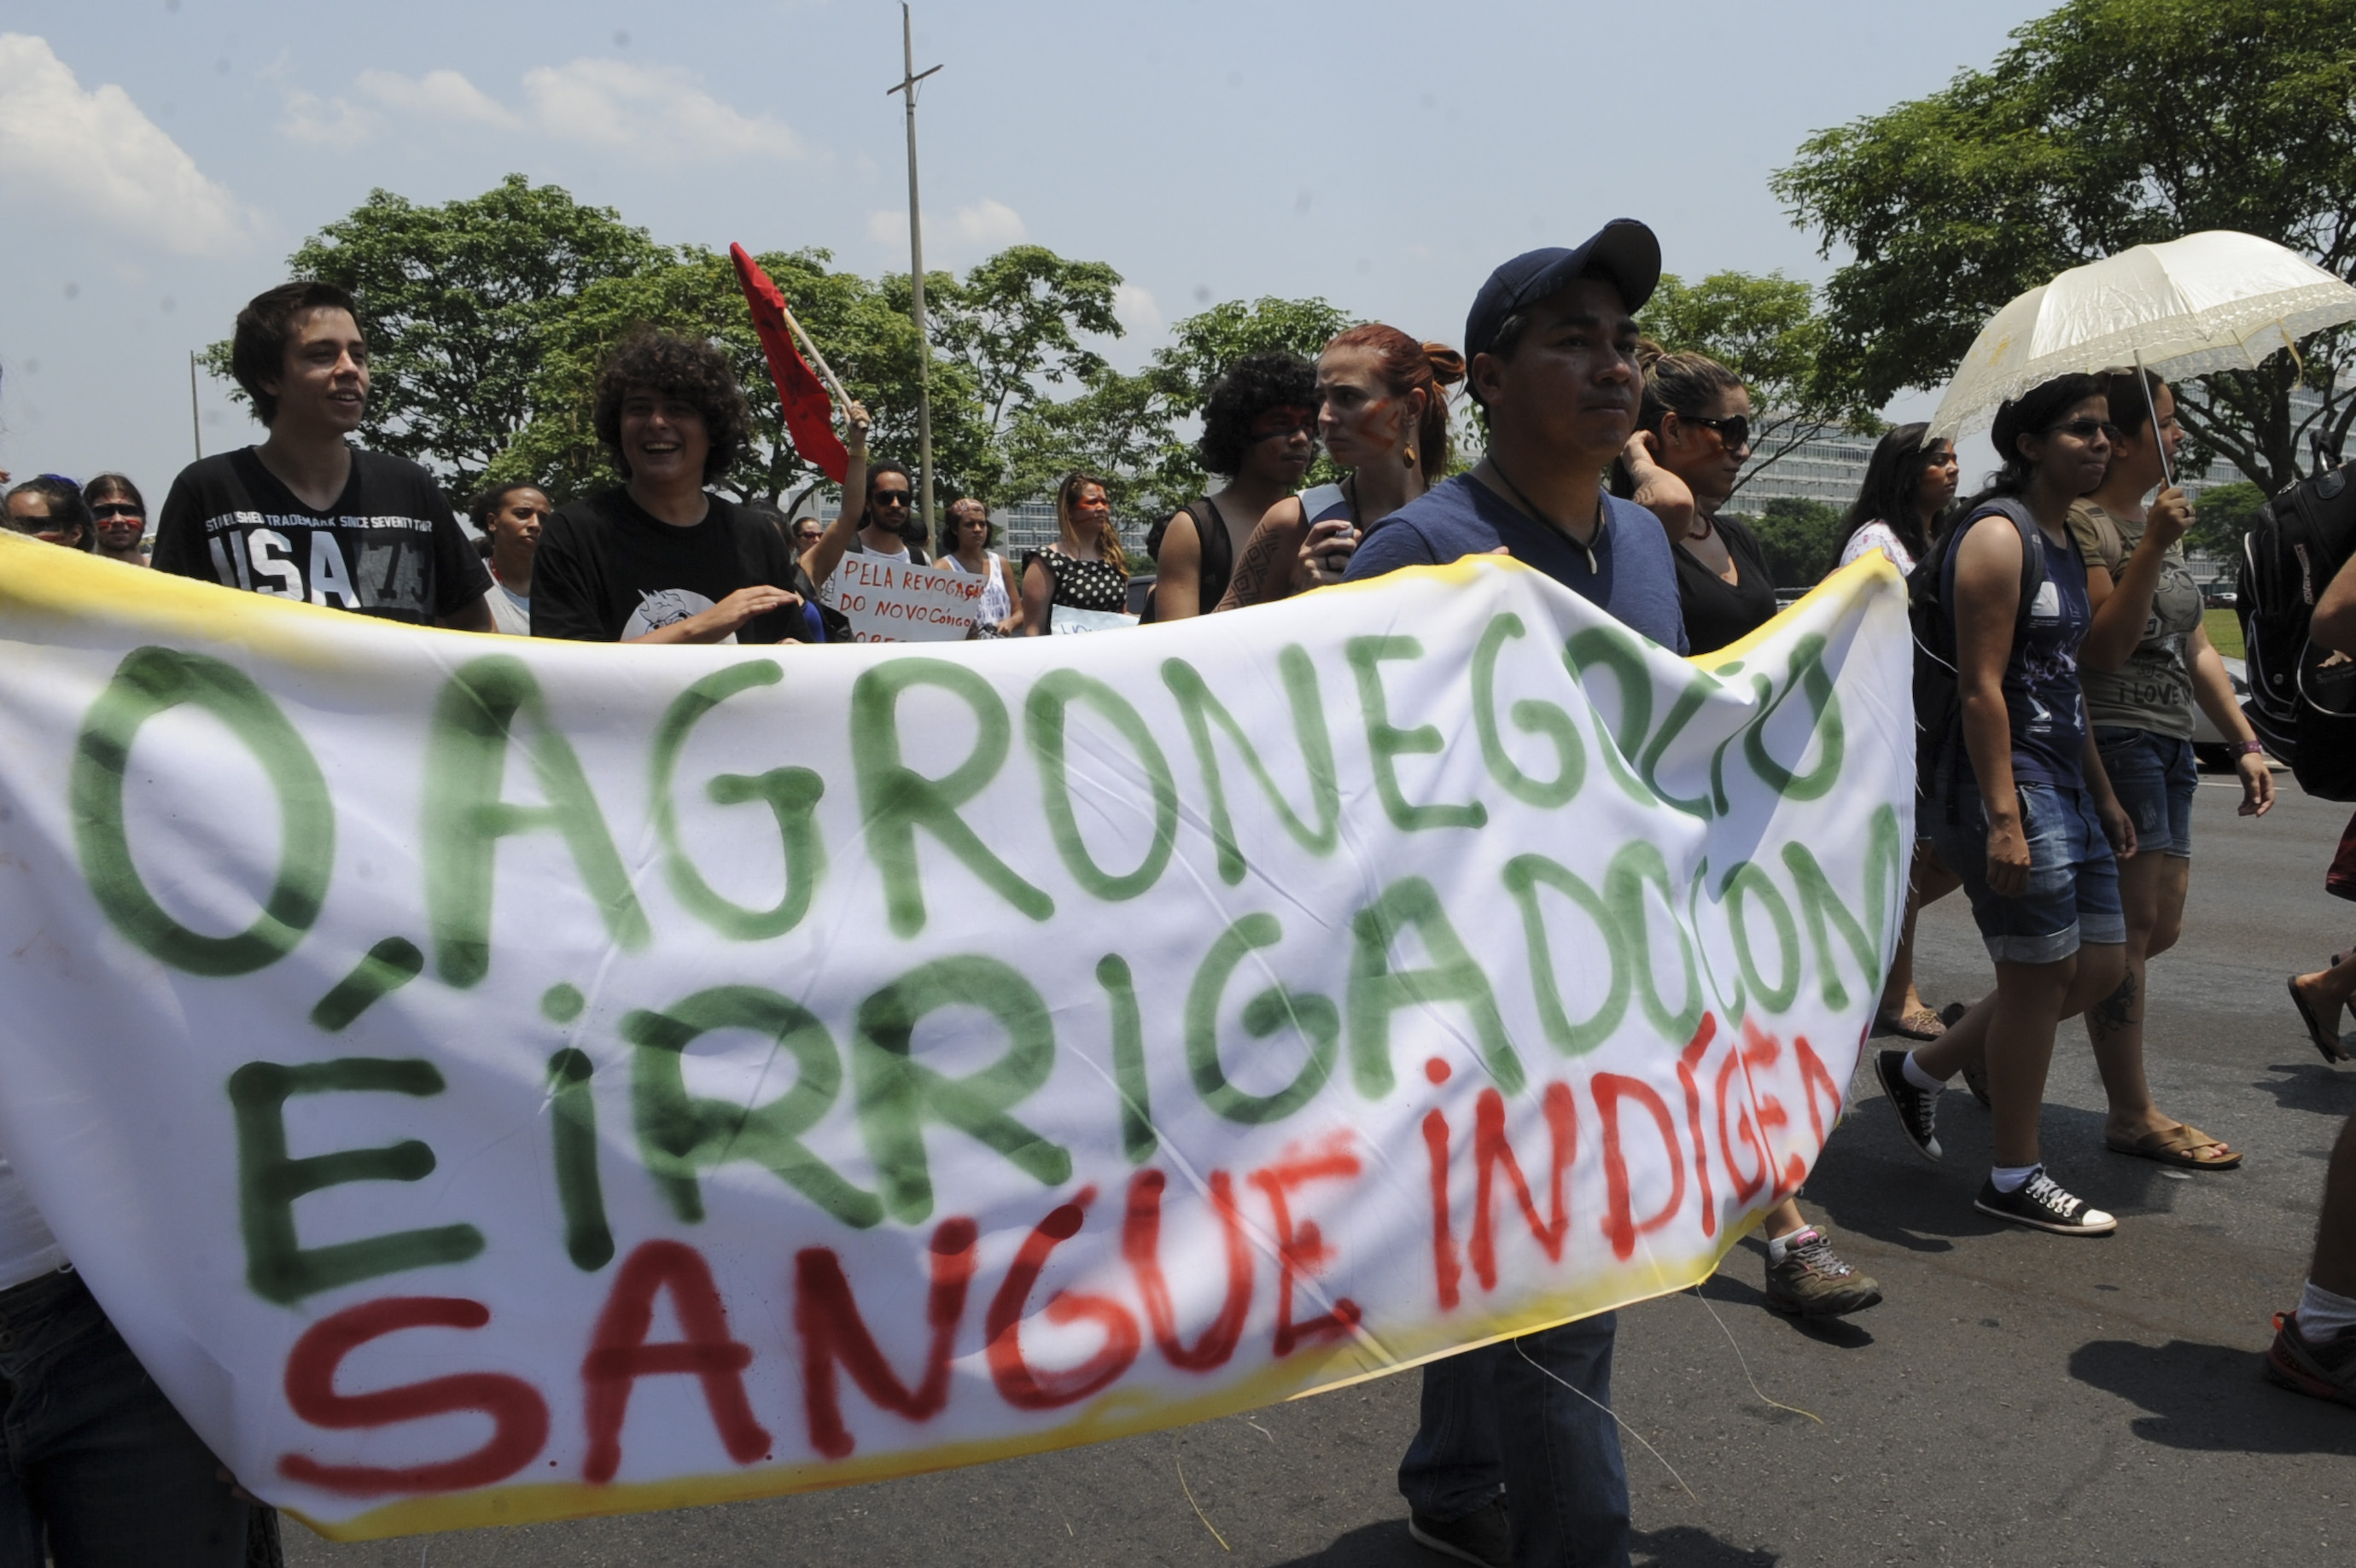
2212,301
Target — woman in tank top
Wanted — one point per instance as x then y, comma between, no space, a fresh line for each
1085,569
971,533
1259,429
2019,805
2147,663
1382,412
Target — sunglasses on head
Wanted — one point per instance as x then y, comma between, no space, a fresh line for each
106,509
1734,429
2086,429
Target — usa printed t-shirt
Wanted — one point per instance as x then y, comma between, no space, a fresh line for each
609,572
390,546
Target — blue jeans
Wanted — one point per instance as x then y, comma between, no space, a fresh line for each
2155,777
2073,882
1493,1418
97,1458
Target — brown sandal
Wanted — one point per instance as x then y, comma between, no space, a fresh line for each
2174,1146
1921,1023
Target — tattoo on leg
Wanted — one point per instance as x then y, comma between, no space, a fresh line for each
2116,1011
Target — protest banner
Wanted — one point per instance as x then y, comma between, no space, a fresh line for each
490,1081
899,601
1062,621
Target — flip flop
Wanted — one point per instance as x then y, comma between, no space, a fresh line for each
1920,1023
2174,1146
2326,1040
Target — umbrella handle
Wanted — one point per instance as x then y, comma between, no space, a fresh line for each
2167,467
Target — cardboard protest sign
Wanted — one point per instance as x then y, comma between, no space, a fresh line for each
1062,621
899,601
490,1081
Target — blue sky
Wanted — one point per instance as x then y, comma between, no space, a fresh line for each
159,158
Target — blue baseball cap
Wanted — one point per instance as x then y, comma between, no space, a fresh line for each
1623,250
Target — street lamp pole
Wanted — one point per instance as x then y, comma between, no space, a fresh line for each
909,78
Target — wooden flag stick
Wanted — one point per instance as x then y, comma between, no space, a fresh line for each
812,350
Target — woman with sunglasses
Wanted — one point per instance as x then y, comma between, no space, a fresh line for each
52,509
1259,429
1910,483
120,514
2019,804
1085,569
1382,414
2145,666
1693,435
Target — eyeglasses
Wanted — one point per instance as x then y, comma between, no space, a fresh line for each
1734,429
107,509
1286,423
2086,430
891,497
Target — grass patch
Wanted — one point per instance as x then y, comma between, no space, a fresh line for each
2224,629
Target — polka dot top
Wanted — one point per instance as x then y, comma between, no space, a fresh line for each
1082,584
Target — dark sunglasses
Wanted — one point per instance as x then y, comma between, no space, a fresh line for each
106,509
891,497
1734,429
2087,429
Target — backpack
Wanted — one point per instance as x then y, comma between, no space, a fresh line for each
1938,687
2302,702
1218,555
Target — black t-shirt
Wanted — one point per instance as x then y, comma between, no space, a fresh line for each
389,546
606,572
1717,612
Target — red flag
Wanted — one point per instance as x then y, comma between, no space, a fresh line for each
810,411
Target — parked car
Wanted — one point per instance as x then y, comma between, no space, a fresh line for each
2217,596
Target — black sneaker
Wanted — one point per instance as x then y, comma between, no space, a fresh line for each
2040,1202
1483,1537
1918,1109
1813,1282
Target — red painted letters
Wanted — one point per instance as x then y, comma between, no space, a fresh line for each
1140,1244
620,1355
826,1316
1301,1249
1017,1383
1620,1224
1490,1150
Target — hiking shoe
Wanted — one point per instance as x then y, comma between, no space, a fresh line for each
2327,1371
1813,1282
2040,1202
1482,1537
1918,1109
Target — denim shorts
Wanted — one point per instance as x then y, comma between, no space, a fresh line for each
2073,881
2154,777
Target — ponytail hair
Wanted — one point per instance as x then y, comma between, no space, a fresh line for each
1405,365
1108,537
1682,383
2032,413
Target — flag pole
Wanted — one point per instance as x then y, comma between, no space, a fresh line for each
810,349
195,426
909,76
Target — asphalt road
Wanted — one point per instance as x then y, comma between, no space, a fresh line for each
2017,1399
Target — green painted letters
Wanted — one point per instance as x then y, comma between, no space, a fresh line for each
573,1113
1820,907
1377,991
791,794
1386,742
1199,707
1534,718
389,966
1524,875
466,760
278,1267
1636,864
1138,1138
1310,1016
149,681
1043,714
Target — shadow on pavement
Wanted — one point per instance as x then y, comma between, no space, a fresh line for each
1840,1333
2212,1397
1388,1545
2311,1086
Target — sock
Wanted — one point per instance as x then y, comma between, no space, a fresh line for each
2011,1178
1779,1245
1920,1079
2321,1313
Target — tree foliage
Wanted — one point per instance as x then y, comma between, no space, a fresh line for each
1767,331
2221,515
1802,539
2106,125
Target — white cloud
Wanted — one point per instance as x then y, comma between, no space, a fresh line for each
986,225
326,122
1134,306
442,95
97,153
653,114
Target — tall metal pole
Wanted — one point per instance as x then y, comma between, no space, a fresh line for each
194,427
909,78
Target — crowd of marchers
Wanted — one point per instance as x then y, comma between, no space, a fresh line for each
2060,663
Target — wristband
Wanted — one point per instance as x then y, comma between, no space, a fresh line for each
2249,748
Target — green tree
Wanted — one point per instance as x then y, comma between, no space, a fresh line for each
1802,539
863,326
2222,515
1014,323
1137,430
2107,123
457,301
1766,330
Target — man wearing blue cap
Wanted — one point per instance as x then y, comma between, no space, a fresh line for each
1552,352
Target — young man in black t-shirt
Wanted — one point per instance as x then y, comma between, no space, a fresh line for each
306,515
662,560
